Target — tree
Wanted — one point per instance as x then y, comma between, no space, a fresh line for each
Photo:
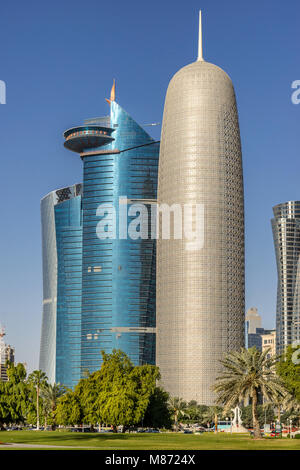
291,407
15,399
265,414
118,393
38,379
195,413
177,407
15,373
86,392
124,390
68,410
288,368
157,414
246,374
211,415
50,394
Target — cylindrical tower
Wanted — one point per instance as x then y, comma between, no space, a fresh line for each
200,292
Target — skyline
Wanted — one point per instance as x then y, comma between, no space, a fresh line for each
267,117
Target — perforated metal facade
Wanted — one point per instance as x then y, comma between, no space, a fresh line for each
200,294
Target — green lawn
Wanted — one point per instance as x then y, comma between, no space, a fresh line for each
144,442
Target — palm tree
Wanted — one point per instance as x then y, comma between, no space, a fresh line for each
211,415
292,405
50,394
246,374
38,379
177,407
279,401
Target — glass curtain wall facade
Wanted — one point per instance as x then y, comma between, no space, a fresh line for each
286,234
118,282
99,291
62,272
49,257
120,165
69,279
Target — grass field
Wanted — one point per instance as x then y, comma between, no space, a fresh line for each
206,441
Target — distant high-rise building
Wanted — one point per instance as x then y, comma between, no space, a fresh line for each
60,350
253,319
254,333
253,329
200,292
7,353
254,339
286,234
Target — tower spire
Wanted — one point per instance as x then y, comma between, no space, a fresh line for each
200,51
112,93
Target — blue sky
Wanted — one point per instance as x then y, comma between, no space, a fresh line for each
58,60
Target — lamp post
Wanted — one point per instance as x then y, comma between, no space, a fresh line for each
290,427
265,416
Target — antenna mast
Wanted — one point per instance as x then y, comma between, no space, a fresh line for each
200,48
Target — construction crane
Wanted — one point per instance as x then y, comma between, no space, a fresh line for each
2,331
2,345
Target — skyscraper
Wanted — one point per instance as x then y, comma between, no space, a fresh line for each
62,273
99,288
253,319
200,292
120,165
286,234
7,353
253,329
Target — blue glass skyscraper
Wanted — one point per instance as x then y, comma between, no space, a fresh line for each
108,282
62,274
120,160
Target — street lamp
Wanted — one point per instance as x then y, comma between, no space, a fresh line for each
265,416
290,427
